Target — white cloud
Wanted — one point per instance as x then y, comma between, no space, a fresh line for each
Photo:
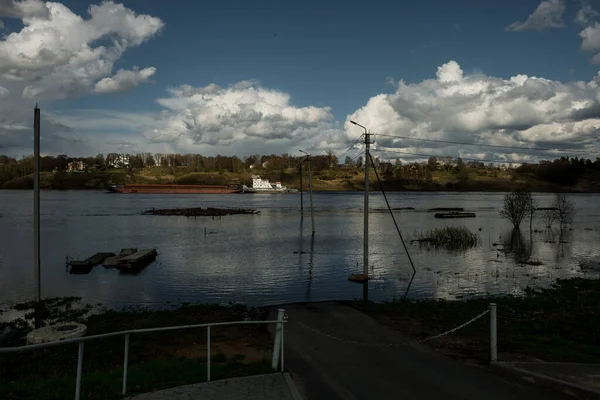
450,72
585,13
23,9
591,37
548,14
242,114
124,80
591,40
522,111
58,54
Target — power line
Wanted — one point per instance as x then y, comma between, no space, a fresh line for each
484,145
464,159
393,217
353,144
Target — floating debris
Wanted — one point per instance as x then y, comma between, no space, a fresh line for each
454,215
532,262
393,209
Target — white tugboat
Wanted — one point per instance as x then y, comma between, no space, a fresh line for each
260,185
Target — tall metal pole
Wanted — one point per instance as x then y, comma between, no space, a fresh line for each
36,212
312,210
366,208
301,197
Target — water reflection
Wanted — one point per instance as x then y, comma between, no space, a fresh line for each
517,246
311,254
263,259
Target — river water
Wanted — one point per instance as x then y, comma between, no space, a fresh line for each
272,258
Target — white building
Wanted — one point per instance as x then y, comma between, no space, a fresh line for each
121,161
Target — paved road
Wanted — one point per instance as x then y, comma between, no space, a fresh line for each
327,368
261,387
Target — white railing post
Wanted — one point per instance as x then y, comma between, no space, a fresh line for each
493,334
208,353
277,344
282,343
125,364
79,370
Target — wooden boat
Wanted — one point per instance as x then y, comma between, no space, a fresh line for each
114,261
140,258
358,278
92,261
175,189
81,270
455,215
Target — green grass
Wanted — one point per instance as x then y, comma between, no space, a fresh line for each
146,377
157,360
561,323
450,237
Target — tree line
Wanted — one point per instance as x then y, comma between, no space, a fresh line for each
13,168
563,171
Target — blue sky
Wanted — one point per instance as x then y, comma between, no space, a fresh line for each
332,59
339,53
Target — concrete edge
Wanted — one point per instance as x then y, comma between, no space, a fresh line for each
571,389
292,386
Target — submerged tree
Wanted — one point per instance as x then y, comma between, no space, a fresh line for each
549,216
564,209
516,206
532,208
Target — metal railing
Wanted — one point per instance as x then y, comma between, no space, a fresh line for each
277,350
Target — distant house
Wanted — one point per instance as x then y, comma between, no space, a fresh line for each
76,166
386,167
447,163
119,161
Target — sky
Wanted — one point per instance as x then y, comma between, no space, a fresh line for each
428,77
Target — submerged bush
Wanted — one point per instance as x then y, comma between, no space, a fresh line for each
452,237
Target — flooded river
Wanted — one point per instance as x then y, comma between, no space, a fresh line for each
272,258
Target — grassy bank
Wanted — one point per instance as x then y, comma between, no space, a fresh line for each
561,323
156,360
336,179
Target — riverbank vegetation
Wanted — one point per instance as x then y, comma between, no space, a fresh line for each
560,323
517,205
449,237
329,173
156,360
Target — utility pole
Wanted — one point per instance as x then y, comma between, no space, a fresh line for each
366,238
36,213
312,209
301,197
366,205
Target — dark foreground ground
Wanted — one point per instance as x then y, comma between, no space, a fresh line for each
350,350
336,352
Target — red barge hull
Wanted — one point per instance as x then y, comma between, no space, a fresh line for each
174,189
